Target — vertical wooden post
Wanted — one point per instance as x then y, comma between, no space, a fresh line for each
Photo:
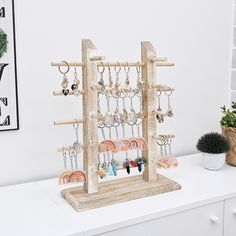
90,138
149,124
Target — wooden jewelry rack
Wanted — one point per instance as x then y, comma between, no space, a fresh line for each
94,193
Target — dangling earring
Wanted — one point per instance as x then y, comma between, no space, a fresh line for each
77,145
169,110
75,85
65,81
101,81
159,101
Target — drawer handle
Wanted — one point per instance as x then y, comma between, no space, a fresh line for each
234,211
215,219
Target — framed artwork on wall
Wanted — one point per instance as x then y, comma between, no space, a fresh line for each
8,74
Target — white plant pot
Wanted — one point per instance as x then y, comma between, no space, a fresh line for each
213,161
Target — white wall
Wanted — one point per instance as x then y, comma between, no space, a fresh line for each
196,35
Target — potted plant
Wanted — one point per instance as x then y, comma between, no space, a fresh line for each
213,147
228,125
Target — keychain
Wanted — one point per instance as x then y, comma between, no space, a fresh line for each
65,81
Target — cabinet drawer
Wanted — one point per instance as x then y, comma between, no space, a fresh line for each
230,217
205,220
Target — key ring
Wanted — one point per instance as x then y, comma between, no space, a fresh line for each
103,68
67,70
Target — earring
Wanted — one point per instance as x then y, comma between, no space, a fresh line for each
114,166
71,160
65,81
116,91
110,85
77,145
169,110
75,159
75,85
140,82
159,101
109,167
109,120
127,88
101,81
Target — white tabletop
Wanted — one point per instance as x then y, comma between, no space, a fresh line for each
37,208
26,210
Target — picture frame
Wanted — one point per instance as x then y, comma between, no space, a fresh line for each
9,114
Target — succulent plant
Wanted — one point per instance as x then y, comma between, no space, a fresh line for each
213,143
3,42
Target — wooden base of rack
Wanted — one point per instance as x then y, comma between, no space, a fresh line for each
117,191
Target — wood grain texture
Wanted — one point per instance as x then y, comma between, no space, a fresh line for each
149,124
90,137
117,191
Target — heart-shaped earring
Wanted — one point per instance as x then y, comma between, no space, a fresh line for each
65,91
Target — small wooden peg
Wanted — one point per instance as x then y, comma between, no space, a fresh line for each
98,58
68,122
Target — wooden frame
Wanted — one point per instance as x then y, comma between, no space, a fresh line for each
149,63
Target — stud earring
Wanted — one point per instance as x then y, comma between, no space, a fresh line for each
65,81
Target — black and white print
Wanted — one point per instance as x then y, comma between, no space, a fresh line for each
8,76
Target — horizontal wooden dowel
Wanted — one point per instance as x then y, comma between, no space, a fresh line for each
98,58
120,167
69,63
67,148
68,122
159,59
163,137
59,93
165,64
160,87
113,64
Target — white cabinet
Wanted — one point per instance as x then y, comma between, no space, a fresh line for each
206,220
230,217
